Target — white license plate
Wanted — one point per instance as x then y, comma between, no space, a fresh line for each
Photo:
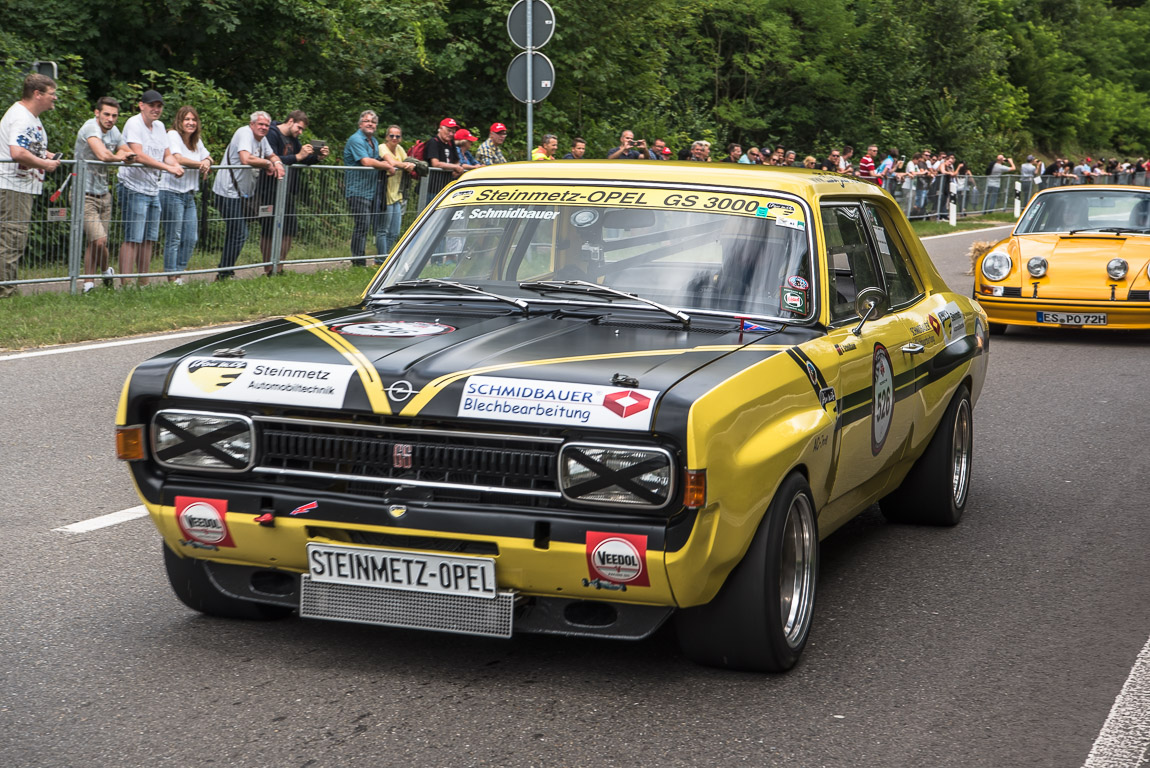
1073,318
396,569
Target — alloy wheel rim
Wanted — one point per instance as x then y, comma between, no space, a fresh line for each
960,456
796,570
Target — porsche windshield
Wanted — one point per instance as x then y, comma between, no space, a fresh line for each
1090,210
723,252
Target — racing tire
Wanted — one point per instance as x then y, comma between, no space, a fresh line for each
996,329
761,618
937,487
194,587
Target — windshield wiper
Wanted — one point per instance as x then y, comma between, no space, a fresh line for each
1115,230
437,282
582,286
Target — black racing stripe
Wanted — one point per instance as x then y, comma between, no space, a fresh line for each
803,361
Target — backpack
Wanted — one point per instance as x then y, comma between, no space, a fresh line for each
418,150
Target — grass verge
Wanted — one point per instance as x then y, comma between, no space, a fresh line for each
47,318
61,318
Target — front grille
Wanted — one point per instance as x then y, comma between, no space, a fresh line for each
1011,293
463,614
1138,296
377,457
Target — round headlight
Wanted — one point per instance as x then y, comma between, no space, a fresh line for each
1116,268
996,266
1036,266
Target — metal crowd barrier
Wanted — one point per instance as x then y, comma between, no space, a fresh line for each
317,225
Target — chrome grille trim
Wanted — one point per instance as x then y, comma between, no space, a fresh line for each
457,614
402,481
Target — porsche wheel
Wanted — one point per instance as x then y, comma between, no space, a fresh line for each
936,488
194,587
761,618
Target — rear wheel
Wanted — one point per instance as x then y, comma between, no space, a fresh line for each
761,618
194,586
936,488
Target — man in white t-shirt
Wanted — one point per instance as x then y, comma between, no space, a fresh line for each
139,187
99,140
249,146
23,141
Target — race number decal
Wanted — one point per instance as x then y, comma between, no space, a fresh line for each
882,398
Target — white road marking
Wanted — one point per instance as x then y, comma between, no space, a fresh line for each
114,518
968,232
119,343
1125,738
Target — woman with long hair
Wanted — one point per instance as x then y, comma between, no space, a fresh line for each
178,196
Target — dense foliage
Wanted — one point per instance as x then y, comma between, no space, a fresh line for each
977,76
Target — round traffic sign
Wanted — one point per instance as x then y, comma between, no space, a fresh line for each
542,24
542,73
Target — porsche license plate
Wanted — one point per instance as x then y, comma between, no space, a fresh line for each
1073,318
397,569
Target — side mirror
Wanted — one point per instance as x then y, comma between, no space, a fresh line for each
870,304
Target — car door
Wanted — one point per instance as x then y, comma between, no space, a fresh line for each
875,384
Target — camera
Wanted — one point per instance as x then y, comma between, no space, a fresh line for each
317,145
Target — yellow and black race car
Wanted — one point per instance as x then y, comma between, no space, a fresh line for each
579,398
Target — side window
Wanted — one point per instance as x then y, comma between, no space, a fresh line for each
848,256
901,280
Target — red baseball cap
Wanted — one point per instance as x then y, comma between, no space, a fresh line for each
666,150
463,133
498,128
447,121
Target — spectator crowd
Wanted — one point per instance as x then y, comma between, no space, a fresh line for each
164,170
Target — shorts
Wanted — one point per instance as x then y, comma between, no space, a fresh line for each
141,215
97,216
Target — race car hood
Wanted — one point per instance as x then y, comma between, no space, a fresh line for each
573,368
1077,263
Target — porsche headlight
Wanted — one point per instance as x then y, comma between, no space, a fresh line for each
1036,266
996,266
1117,268
616,474
215,442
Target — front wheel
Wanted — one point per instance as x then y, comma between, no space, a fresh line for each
195,588
761,618
936,488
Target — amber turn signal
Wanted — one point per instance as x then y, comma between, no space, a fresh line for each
130,443
695,490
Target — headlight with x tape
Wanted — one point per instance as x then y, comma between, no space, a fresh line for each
592,473
217,442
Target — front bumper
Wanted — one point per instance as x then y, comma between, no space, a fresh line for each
1120,315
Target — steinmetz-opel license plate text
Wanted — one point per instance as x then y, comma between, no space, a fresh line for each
396,569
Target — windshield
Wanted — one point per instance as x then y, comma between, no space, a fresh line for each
1088,209
724,252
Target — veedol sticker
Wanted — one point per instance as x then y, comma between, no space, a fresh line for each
556,402
203,521
882,399
262,381
391,329
620,558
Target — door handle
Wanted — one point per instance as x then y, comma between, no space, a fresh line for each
913,349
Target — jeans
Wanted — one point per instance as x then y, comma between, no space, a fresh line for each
178,213
363,213
991,196
141,215
387,229
235,231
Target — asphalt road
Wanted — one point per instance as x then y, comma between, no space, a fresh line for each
1002,642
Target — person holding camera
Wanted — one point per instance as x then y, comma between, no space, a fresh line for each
285,142
630,149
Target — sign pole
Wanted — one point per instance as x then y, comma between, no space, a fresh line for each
530,81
